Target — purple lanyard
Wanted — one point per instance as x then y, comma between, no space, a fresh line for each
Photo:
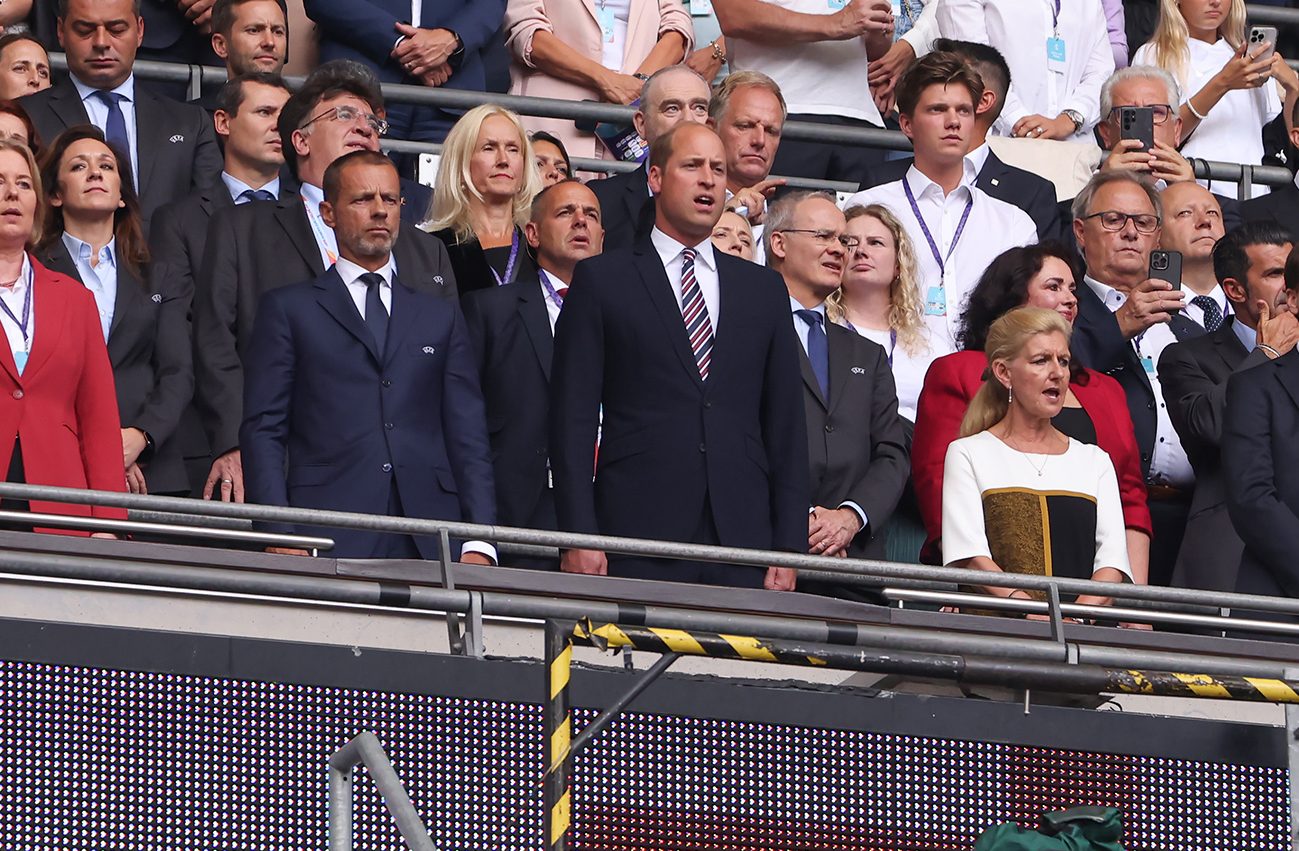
1055,19
929,237
550,289
509,264
27,311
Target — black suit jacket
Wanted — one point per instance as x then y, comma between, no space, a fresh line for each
1099,344
250,250
177,146
1194,377
857,444
153,369
513,344
626,208
469,262
1280,206
1259,448
674,446
1030,192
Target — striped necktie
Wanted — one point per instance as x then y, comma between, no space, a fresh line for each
695,313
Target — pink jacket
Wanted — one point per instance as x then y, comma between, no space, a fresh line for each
574,22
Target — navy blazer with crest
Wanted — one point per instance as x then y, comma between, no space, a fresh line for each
348,422
672,445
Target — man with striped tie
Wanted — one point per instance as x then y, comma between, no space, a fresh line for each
691,356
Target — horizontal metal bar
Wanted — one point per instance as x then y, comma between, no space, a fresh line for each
1257,14
128,527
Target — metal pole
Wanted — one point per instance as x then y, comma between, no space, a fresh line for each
616,708
558,730
340,808
366,750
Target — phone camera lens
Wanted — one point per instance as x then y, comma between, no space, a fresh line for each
1159,263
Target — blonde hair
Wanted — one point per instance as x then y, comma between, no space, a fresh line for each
1006,339
1171,35
454,189
42,203
906,311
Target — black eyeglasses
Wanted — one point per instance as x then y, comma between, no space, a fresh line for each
349,114
1160,112
824,237
1113,220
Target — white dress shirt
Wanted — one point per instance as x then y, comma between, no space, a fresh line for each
552,307
1168,464
312,197
351,274
993,226
97,111
1020,30
1196,313
613,16
237,187
669,251
13,297
100,278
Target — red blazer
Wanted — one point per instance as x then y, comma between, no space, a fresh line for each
63,407
949,386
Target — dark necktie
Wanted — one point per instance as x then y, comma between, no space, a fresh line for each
818,352
699,328
1212,313
115,127
254,195
376,315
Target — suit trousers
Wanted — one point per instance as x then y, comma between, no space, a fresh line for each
1168,522
696,572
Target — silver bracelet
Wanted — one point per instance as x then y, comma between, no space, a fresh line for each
1271,351
1194,111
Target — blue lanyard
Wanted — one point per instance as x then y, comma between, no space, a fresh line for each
27,311
509,264
551,292
929,237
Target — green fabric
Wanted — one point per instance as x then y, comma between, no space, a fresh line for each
1079,829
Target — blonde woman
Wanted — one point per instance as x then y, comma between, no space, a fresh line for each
1018,495
1228,91
880,299
485,186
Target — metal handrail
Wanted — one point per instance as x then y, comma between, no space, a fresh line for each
130,527
366,750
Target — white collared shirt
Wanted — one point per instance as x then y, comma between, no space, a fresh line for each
312,197
1019,29
13,298
351,275
1196,313
1168,463
670,253
552,307
100,278
237,187
97,111
993,227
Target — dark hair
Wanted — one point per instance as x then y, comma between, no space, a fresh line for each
936,69
1004,287
987,62
543,136
1230,259
62,8
14,108
13,38
334,78
334,173
223,14
128,227
538,201
231,96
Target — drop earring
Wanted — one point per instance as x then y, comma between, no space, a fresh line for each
1010,396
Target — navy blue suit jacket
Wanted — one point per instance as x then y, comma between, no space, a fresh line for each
348,422
673,445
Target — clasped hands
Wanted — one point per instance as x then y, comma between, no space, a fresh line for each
425,54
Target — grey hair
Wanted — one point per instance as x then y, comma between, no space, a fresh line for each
780,214
737,80
1139,72
1083,202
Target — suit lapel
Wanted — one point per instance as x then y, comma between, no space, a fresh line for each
655,279
1184,328
151,127
52,316
635,198
292,216
840,348
67,105
809,377
334,298
403,318
1228,345
130,293
536,322
1287,372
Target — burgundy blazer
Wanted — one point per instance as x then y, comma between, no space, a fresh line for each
949,386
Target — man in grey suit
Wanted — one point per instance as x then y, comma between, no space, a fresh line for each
1249,263
856,442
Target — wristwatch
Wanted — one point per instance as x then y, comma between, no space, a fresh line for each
1076,117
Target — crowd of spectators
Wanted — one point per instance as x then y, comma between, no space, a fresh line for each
968,361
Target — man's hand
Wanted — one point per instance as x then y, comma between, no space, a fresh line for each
226,480
882,74
105,535
1168,165
476,558
135,480
423,50
197,12
1041,127
620,88
1279,330
437,76
754,199
832,530
590,562
780,579
287,551
863,17
133,443
1151,303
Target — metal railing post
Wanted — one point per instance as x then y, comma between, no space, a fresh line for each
340,808
366,750
558,731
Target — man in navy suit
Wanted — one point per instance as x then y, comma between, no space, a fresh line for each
691,356
365,397
417,42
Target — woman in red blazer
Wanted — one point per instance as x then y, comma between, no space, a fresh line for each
58,409
1096,411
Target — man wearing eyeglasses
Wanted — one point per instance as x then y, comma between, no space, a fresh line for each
1125,320
857,453
254,248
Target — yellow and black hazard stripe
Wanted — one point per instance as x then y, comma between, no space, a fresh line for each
714,644
559,723
1170,684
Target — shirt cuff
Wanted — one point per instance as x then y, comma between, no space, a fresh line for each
482,548
857,509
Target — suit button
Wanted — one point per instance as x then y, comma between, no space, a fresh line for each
387,468
703,448
1150,406
829,428
388,426
707,405
387,383
18,394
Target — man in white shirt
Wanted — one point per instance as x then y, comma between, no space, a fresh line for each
1059,55
1192,226
956,229
817,52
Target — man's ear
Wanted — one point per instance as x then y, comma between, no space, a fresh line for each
533,234
219,46
654,177
1235,291
327,214
221,122
301,144
987,101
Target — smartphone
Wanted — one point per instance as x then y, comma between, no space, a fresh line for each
1167,266
1138,122
1259,35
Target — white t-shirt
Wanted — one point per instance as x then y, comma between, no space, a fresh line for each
1233,130
818,78
908,369
613,41
1002,504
